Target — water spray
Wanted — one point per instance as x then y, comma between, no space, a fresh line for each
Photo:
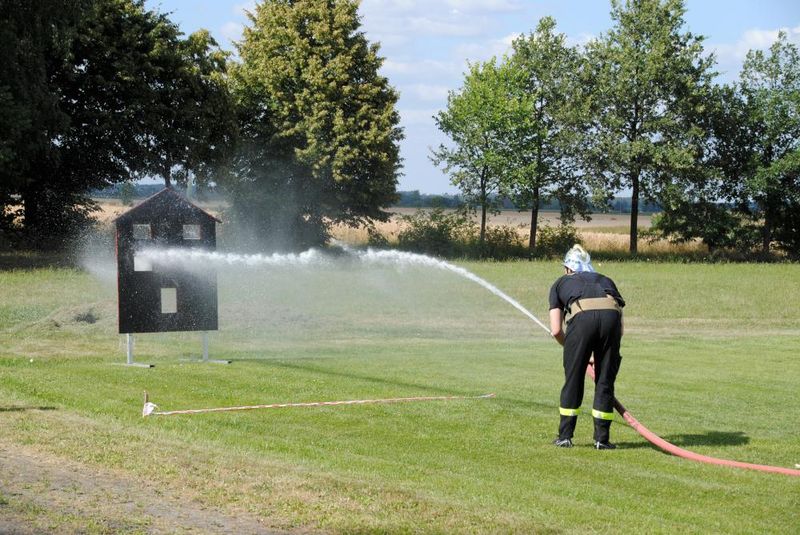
193,257
394,258
314,257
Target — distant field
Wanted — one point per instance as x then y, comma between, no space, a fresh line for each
111,208
515,218
708,364
604,232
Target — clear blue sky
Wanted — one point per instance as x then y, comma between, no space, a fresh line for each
427,43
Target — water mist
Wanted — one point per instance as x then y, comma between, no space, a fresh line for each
192,259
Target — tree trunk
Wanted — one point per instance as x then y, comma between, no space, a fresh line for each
484,201
634,235
483,223
167,174
31,208
534,219
766,231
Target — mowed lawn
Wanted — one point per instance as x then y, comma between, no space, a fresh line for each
710,363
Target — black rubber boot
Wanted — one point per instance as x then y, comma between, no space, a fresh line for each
602,432
566,427
604,446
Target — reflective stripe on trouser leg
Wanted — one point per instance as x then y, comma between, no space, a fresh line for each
602,425
569,419
602,415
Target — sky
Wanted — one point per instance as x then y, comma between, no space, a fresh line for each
427,45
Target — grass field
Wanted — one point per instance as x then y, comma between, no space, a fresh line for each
710,363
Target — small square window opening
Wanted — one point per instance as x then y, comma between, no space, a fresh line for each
141,264
191,232
142,232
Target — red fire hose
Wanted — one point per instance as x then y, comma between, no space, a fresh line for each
686,454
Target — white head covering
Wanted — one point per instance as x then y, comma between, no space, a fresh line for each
578,260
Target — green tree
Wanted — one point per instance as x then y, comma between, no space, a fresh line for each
708,200
190,121
126,193
750,161
770,88
34,37
103,101
163,98
477,120
644,75
319,128
545,116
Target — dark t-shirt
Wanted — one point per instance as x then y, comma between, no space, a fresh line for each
576,286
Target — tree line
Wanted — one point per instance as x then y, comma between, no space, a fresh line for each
300,129
635,109
415,199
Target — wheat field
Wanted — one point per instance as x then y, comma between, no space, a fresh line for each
606,232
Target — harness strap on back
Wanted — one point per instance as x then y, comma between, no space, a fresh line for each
592,303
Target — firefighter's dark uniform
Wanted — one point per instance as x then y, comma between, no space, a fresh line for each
593,310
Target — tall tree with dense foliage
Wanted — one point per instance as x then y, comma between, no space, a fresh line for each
751,161
770,88
477,120
35,37
545,116
104,101
190,121
141,99
319,128
708,200
644,75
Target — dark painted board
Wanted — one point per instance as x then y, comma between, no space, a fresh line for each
139,292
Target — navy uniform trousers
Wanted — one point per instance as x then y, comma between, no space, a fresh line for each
595,332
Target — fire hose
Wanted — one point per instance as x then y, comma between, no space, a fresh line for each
150,408
686,454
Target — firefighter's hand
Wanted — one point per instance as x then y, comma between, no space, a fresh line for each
558,336
591,360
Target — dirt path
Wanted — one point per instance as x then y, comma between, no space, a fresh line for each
43,494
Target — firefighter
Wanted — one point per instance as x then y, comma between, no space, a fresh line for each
590,306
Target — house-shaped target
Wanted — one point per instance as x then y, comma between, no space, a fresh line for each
161,297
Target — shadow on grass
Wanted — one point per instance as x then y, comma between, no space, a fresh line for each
22,409
30,260
712,438
633,445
